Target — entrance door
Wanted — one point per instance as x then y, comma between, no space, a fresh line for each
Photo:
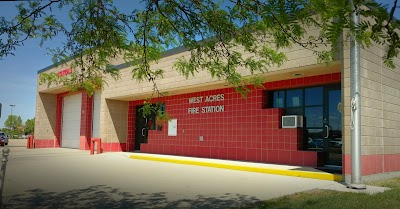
333,125
323,120
143,125
141,131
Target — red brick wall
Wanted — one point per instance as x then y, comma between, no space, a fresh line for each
45,143
304,81
114,147
59,109
244,131
373,164
130,142
86,121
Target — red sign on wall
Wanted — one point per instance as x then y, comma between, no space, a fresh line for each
65,72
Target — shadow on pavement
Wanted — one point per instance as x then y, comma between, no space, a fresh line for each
102,197
306,169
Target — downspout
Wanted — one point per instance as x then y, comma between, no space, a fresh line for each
356,175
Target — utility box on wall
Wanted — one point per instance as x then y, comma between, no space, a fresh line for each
172,127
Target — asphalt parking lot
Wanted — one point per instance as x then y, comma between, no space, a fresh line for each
68,178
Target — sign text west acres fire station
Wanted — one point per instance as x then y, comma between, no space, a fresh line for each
206,109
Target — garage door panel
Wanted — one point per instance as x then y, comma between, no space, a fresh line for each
71,122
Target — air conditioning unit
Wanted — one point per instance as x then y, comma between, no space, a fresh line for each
292,121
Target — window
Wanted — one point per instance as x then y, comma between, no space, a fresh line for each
294,98
153,120
278,99
313,96
313,116
294,111
319,106
313,138
307,102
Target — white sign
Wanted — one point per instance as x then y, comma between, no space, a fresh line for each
206,109
195,100
215,98
193,110
172,127
211,98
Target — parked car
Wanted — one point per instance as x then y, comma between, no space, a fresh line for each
315,143
3,139
337,143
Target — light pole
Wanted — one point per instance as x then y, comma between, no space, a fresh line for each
12,127
12,106
355,105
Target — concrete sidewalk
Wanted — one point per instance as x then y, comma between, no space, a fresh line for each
68,178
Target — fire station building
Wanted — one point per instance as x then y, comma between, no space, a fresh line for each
301,117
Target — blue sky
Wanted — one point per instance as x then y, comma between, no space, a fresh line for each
18,73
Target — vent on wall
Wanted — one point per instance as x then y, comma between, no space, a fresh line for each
292,121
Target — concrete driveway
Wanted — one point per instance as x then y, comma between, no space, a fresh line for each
68,178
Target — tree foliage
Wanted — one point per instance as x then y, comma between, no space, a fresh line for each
212,31
13,125
29,126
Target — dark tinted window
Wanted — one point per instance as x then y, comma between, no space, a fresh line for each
313,116
335,117
294,98
278,99
314,138
313,96
294,111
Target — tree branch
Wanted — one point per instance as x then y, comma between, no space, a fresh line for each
392,12
33,13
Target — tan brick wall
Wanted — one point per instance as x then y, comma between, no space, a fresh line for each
380,90
380,103
346,131
113,121
298,57
45,116
53,87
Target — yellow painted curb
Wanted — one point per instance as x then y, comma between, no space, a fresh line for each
296,173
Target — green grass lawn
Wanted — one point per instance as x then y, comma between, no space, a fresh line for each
325,199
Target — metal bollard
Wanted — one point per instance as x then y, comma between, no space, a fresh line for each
6,152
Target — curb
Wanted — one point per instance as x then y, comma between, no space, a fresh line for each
295,173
